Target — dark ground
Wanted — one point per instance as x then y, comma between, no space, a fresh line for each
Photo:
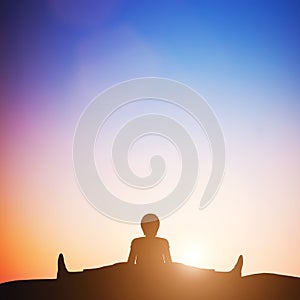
174,281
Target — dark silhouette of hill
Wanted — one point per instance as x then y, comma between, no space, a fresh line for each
171,281
150,274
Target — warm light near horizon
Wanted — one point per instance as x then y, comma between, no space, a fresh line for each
192,257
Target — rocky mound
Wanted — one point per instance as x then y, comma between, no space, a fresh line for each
173,281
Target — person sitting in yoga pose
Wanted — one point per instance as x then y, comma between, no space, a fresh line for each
149,250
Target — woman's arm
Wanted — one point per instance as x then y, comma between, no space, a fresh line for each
167,254
131,257
132,254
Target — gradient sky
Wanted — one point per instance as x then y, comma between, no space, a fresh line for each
242,56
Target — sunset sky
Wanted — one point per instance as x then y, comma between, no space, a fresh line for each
241,56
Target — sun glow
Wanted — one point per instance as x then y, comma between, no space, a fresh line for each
192,257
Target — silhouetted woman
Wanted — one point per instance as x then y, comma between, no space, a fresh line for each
149,250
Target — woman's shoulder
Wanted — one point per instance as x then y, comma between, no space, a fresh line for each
137,240
157,240
162,241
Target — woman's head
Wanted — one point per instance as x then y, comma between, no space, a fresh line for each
150,224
